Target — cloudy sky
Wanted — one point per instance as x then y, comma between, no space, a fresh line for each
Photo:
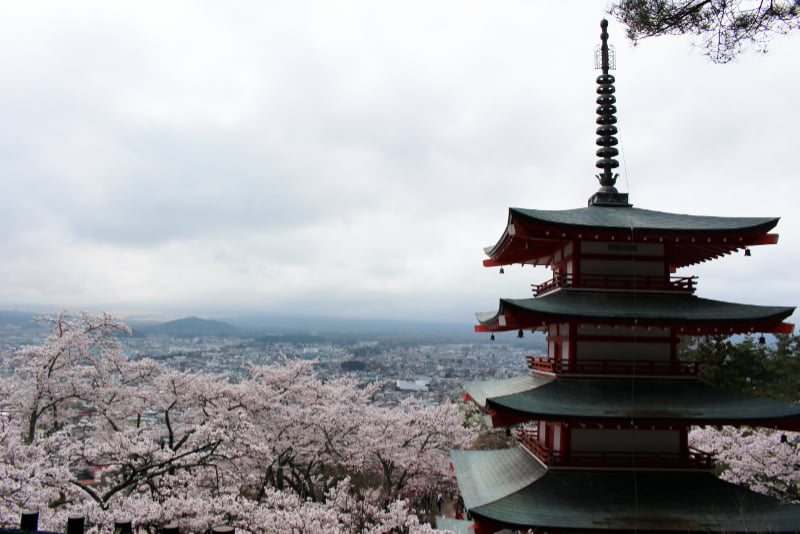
353,158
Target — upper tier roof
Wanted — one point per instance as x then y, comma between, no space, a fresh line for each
532,236
624,219
508,487
692,314
624,401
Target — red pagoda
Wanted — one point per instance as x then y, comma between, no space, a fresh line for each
608,409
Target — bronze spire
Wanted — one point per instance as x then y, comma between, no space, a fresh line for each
607,195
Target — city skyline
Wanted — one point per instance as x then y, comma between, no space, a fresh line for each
352,160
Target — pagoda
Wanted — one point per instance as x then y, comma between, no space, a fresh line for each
605,415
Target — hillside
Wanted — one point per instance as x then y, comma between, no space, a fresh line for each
190,327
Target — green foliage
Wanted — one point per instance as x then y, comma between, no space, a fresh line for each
723,27
748,366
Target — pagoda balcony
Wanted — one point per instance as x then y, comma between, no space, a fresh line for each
617,282
680,368
693,459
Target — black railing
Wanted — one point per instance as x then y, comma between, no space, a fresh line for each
617,282
615,367
693,459
29,523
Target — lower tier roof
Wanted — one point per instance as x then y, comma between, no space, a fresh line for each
637,400
509,488
696,315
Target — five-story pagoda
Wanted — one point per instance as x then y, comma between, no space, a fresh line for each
608,410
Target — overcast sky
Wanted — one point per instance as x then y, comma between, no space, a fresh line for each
353,158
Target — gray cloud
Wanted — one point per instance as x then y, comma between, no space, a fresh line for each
355,161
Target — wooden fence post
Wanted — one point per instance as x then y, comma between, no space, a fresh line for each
123,526
29,520
75,524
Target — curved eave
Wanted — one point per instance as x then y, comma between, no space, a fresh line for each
627,401
487,478
560,501
688,314
532,236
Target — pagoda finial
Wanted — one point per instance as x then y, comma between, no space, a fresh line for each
605,60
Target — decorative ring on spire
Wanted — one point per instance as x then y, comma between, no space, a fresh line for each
606,120
606,117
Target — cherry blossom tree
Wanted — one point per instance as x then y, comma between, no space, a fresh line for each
28,480
80,362
766,461
416,461
304,433
280,451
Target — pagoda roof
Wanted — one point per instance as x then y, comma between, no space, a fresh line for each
509,488
694,315
532,235
626,218
627,400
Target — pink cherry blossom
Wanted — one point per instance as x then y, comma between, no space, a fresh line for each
280,451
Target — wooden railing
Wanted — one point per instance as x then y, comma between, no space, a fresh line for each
617,282
615,367
29,524
693,459
529,438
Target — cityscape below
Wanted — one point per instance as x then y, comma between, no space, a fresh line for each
427,360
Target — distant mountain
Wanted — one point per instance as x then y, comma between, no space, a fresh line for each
270,328
320,328
189,327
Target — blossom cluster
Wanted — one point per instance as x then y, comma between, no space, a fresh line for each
765,460
87,431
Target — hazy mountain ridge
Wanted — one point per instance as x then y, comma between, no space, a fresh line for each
188,327
278,327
